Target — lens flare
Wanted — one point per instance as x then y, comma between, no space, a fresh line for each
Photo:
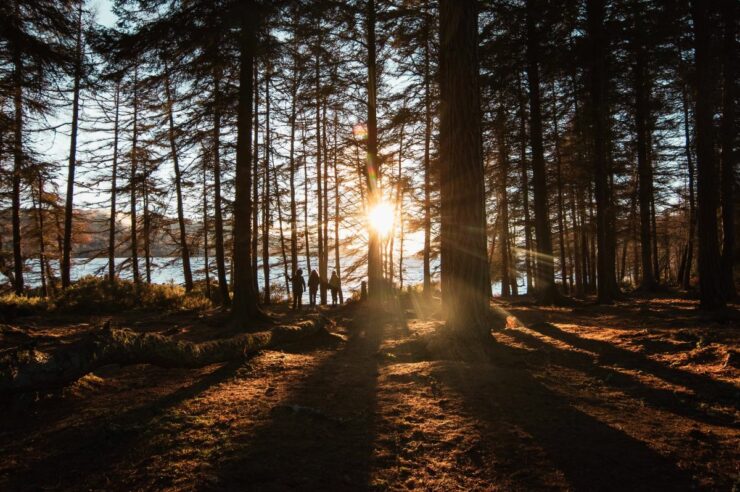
380,217
359,131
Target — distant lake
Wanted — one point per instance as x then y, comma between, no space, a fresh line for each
169,270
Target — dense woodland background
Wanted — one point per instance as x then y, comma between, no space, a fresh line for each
608,140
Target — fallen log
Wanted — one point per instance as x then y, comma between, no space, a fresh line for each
25,369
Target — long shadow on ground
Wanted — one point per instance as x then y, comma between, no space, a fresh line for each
590,454
320,436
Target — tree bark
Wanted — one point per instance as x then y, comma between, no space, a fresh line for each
132,182
246,302
503,203
729,155
465,278
18,168
545,285
184,251
114,190
372,164
710,289
644,169
223,285
427,289
686,279
607,286
266,217
72,166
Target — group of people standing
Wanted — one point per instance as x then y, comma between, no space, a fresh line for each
314,282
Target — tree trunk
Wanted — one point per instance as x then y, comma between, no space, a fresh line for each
729,155
644,170
372,163
323,273
305,203
223,285
686,278
711,295
465,278
427,290
114,191
503,204
337,263
528,261
69,203
40,233
255,180
132,182
266,217
184,251
607,288
246,302
559,182
292,164
18,168
545,289
206,266
147,221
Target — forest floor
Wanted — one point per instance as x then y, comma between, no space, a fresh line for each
640,395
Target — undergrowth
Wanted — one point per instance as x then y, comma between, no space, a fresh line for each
96,295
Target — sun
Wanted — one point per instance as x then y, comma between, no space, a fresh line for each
380,217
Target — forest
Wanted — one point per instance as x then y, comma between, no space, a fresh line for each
369,245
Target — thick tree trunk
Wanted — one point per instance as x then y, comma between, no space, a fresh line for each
729,154
246,302
644,169
465,277
114,190
710,289
223,285
184,251
545,288
26,369
72,166
607,287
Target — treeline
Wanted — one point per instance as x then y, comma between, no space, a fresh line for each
605,132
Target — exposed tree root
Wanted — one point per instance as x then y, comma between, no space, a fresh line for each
26,369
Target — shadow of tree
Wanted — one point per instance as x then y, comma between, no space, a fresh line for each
590,454
611,354
77,452
320,436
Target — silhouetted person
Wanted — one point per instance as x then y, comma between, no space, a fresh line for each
313,286
334,285
299,285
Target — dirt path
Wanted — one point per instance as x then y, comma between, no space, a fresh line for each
564,406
